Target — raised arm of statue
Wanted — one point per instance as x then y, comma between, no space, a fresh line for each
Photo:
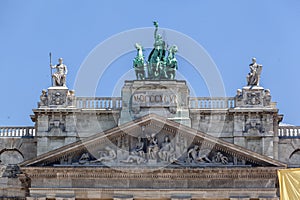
156,29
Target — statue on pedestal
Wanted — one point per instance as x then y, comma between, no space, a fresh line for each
59,77
71,98
159,67
43,98
253,77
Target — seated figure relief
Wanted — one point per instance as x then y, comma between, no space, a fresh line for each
195,155
167,150
153,147
107,156
157,150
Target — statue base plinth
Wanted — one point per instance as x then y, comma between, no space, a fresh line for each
253,96
57,96
168,98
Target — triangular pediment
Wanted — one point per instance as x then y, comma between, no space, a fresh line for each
152,141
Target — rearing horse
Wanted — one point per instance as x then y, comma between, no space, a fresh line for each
171,65
138,63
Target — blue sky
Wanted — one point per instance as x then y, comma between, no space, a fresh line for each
230,31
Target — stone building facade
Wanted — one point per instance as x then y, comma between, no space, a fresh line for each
153,142
192,147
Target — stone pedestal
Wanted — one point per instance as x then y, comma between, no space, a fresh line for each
165,98
57,96
254,116
253,96
55,122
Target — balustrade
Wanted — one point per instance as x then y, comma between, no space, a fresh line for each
26,131
109,103
211,103
289,131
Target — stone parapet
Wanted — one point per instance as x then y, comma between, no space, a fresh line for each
166,98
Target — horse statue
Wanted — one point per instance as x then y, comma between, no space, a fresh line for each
171,64
138,63
159,66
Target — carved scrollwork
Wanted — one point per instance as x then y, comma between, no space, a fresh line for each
253,126
253,99
58,98
173,109
85,158
136,109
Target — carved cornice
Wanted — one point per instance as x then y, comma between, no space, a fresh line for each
163,174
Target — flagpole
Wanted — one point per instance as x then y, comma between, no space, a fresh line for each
50,56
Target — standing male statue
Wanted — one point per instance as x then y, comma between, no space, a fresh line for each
59,77
254,76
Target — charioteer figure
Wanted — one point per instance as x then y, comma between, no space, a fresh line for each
159,65
157,55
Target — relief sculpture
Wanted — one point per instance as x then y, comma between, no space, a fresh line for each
156,149
108,155
196,155
153,147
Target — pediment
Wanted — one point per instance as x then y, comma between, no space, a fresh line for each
152,141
